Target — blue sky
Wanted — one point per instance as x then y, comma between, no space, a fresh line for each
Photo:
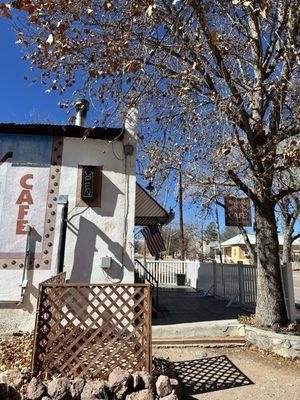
21,100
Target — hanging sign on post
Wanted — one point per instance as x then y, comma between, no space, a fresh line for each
237,211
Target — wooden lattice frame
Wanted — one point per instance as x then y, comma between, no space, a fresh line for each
56,279
85,330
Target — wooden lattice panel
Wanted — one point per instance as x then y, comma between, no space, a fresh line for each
87,330
55,280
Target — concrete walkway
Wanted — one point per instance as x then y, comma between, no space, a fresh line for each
181,305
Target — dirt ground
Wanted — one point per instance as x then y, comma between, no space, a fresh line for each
233,373
207,373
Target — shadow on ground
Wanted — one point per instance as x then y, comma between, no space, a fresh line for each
184,305
205,375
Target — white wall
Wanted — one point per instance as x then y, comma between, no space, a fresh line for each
92,233
19,317
199,275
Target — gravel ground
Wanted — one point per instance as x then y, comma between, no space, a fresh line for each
15,352
234,373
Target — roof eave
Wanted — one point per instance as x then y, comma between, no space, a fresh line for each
73,131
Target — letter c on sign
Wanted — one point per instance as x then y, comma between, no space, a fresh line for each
24,179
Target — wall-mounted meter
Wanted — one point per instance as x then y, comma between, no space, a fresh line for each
106,262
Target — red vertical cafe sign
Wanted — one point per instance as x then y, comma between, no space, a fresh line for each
237,211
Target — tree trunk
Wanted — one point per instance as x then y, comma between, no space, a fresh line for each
181,226
270,309
287,246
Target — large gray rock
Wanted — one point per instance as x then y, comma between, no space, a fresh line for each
59,389
201,354
163,386
14,378
36,389
176,387
76,388
145,394
142,380
171,396
137,382
94,390
119,382
147,380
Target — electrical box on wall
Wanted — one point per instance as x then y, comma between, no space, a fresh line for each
106,262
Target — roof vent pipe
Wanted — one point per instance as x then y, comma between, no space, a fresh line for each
81,106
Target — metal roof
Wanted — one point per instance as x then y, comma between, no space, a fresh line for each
62,130
148,211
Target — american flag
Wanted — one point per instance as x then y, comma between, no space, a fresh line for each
154,240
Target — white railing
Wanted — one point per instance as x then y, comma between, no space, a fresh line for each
165,272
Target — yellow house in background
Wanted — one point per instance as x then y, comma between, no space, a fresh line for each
234,250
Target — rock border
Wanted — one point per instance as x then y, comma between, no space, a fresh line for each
284,345
121,385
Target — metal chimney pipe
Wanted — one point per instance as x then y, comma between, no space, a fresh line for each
81,106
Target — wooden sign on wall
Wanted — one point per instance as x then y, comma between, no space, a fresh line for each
89,182
237,211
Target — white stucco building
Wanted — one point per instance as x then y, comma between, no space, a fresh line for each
48,172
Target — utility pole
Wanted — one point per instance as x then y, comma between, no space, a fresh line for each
218,225
202,240
145,252
181,228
